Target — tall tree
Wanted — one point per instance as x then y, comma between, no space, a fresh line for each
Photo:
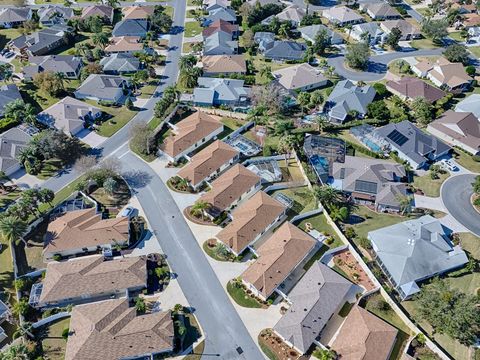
357,55
199,208
12,228
457,53
328,196
436,29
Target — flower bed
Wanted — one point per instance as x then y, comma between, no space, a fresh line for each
352,269
274,347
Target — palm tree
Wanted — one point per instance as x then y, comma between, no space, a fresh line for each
186,62
328,196
286,145
199,208
81,48
12,228
266,72
405,203
113,3
16,352
14,110
322,122
29,114
189,77
100,39
3,179
6,72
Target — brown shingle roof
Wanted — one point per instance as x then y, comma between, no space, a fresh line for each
471,19
91,275
112,330
224,64
137,12
189,131
219,25
228,188
298,76
363,336
84,228
277,258
250,219
207,161
100,10
414,87
124,43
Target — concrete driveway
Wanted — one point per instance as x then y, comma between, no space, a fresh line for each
91,138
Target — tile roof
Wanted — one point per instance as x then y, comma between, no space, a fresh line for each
342,14
124,43
207,162
364,336
83,228
315,298
137,12
411,88
464,127
277,258
219,25
221,64
67,114
228,187
249,220
91,275
299,76
100,10
189,131
112,330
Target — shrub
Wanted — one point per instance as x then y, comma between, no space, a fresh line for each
57,257
65,333
350,232
476,158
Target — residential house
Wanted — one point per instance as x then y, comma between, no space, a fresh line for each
234,185
412,144
264,2
40,42
12,142
310,32
263,37
120,63
302,77
370,31
223,65
277,258
209,5
322,152
54,15
69,115
470,104
83,231
364,336
88,279
113,330
473,34
347,98
464,8
409,88
460,129
413,251
220,91
251,219
5,314
315,299
283,50
292,14
103,11
208,164
380,11
190,133
444,74
221,25
374,182
408,31
14,16
220,43
342,16
102,87
226,14
131,27
137,12
8,93
470,20
67,65
125,45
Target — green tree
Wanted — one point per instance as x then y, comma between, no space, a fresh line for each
476,185
457,53
405,203
422,110
112,3
48,82
14,110
12,228
303,100
393,38
435,29
378,110
6,72
324,354
129,103
189,77
16,352
328,196
186,62
100,39
110,185
357,55
321,42
199,208
160,22
140,305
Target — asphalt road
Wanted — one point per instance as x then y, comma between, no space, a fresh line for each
121,137
224,329
378,65
456,193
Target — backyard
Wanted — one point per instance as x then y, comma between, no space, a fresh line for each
50,337
373,220
319,223
290,171
303,199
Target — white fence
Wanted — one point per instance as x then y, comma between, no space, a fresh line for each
51,318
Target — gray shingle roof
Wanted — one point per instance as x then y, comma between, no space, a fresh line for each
11,144
347,96
415,250
226,14
8,93
120,63
220,43
39,40
55,14
411,141
470,104
101,86
311,31
315,298
9,15
285,50
54,63
131,27
212,90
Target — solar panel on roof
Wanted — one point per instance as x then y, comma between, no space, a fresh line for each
397,137
366,186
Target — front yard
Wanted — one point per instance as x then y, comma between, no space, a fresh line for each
466,160
475,50
240,296
120,117
192,28
430,187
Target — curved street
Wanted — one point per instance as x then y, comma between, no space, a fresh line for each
456,193
378,64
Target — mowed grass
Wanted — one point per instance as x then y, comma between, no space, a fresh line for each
192,28
149,89
430,187
319,223
120,117
475,50
303,199
423,44
53,343
466,160
7,34
374,220
239,295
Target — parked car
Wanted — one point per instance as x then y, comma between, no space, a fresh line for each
3,52
9,54
128,211
448,165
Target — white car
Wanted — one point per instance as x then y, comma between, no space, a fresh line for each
127,212
448,165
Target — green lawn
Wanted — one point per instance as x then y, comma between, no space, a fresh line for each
52,343
192,28
319,223
8,34
303,198
290,170
214,254
429,186
187,47
266,350
466,160
456,36
239,295
423,44
168,10
475,50
120,117
50,168
10,197
149,89
259,62
232,123
374,220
